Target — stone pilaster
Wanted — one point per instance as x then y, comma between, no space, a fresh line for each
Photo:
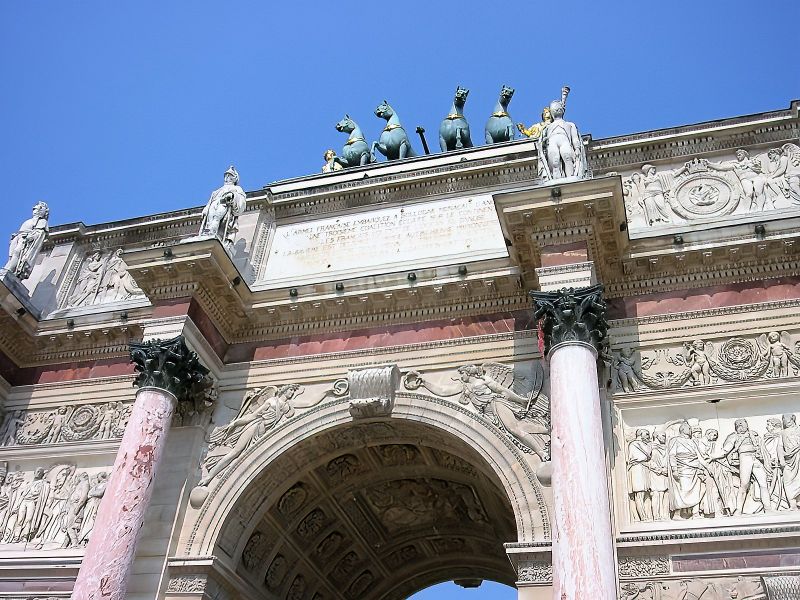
168,373
573,325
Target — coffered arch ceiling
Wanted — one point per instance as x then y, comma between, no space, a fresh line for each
375,510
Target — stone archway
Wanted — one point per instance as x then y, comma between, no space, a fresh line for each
332,507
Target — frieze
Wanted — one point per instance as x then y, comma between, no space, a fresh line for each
716,588
701,189
702,362
64,424
643,566
687,469
49,508
535,571
187,583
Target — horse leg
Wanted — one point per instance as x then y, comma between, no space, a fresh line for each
459,143
403,150
442,143
365,158
489,138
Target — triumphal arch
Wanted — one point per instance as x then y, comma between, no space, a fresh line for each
571,365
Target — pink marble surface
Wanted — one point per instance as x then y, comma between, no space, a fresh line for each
583,546
106,565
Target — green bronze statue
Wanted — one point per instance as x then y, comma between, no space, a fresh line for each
454,130
356,151
394,142
500,127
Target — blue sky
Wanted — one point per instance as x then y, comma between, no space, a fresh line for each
489,590
113,110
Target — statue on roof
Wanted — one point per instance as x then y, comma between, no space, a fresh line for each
394,142
534,132
331,164
356,150
454,130
500,126
221,214
27,242
562,155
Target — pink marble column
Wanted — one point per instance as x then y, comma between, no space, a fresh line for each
573,326
168,373
108,559
583,544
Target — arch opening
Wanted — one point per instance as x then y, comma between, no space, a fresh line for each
376,510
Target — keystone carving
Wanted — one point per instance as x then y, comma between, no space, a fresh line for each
571,315
372,390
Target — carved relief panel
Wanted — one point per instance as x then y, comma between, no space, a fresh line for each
703,361
101,277
687,463
50,507
64,424
747,183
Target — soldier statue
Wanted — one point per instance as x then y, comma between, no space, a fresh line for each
27,242
562,154
221,214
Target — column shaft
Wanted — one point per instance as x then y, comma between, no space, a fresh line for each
105,570
583,543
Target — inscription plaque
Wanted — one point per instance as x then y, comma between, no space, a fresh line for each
385,240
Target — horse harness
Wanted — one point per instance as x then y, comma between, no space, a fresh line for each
354,140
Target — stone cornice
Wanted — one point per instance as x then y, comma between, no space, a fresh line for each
619,152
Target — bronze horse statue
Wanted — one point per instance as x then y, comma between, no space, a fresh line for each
500,127
454,130
356,151
394,142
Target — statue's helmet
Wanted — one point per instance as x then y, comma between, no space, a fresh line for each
233,173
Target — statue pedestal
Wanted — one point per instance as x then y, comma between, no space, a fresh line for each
583,545
109,556
19,291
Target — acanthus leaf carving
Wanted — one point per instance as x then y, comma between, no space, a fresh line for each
571,315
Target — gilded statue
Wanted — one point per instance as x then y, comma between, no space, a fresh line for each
534,132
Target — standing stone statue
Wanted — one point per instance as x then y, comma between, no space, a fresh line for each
561,149
27,242
500,126
221,214
454,130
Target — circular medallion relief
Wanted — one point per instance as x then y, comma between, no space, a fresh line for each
705,194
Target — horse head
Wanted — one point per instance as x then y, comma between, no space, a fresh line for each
384,111
505,95
346,125
461,96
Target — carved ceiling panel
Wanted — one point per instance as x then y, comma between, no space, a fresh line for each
371,517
